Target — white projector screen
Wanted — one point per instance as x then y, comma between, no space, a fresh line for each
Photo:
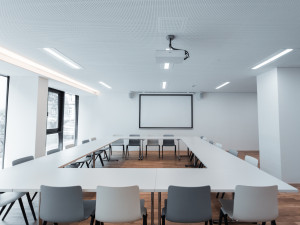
166,111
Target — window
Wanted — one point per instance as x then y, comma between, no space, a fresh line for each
62,120
4,81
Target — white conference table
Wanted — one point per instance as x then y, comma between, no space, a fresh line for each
224,171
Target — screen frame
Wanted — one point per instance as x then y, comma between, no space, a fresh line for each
192,111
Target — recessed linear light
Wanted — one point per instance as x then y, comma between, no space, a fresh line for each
164,85
222,85
63,58
166,66
23,62
272,58
105,85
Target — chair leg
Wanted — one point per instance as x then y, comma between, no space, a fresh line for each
225,219
101,160
45,223
33,196
87,164
273,222
55,223
2,209
217,196
7,211
223,195
101,223
162,152
263,223
97,222
206,223
82,165
146,150
175,149
123,150
163,220
145,219
92,220
210,222
23,210
221,217
30,205
159,151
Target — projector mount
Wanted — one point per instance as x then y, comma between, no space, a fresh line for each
170,38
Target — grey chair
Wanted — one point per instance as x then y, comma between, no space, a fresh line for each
12,197
85,160
72,165
119,142
65,205
188,205
133,143
233,152
251,160
53,151
153,142
251,204
211,142
119,205
168,143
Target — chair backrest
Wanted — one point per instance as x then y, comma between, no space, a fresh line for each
152,142
93,139
118,204
211,142
61,204
85,141
53,151
168,135
204,138
251,160
134,135
22,160
134,142
69,146
233,152
168,142
188,204
219,145
255,204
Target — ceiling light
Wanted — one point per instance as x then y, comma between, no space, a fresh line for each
105,85
23,62
63,58
164,85
222,85
272,58
167,66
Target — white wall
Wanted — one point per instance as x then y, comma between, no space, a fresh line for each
25,117
268,120
228,118
289,113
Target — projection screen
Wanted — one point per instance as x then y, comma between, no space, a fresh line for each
165,111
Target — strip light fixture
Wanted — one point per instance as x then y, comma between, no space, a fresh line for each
286,51
167,66
25,63
164,85
104,84
222,85
58,55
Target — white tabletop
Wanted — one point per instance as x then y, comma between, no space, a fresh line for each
223,171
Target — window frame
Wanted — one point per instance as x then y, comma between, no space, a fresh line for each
5,125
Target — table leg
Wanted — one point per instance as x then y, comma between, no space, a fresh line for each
152,208
178,149
159,209
94,160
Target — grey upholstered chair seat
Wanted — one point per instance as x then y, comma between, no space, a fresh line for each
227,206
118,142
84,159
89,208
73,165
9,197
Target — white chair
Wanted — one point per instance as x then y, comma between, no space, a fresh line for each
251,160
93,139
251,204
119,204
233,152
204,138
219,145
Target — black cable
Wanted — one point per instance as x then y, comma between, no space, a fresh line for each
187,54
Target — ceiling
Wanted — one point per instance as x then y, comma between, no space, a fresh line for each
115,40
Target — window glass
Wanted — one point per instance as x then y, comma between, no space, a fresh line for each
52,141
3,106
69,120
53,113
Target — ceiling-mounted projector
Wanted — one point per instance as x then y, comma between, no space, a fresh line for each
171,55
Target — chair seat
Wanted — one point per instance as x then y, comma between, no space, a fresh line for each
9,197
83,160
227,207
89,208
101,150
143,209
73,165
